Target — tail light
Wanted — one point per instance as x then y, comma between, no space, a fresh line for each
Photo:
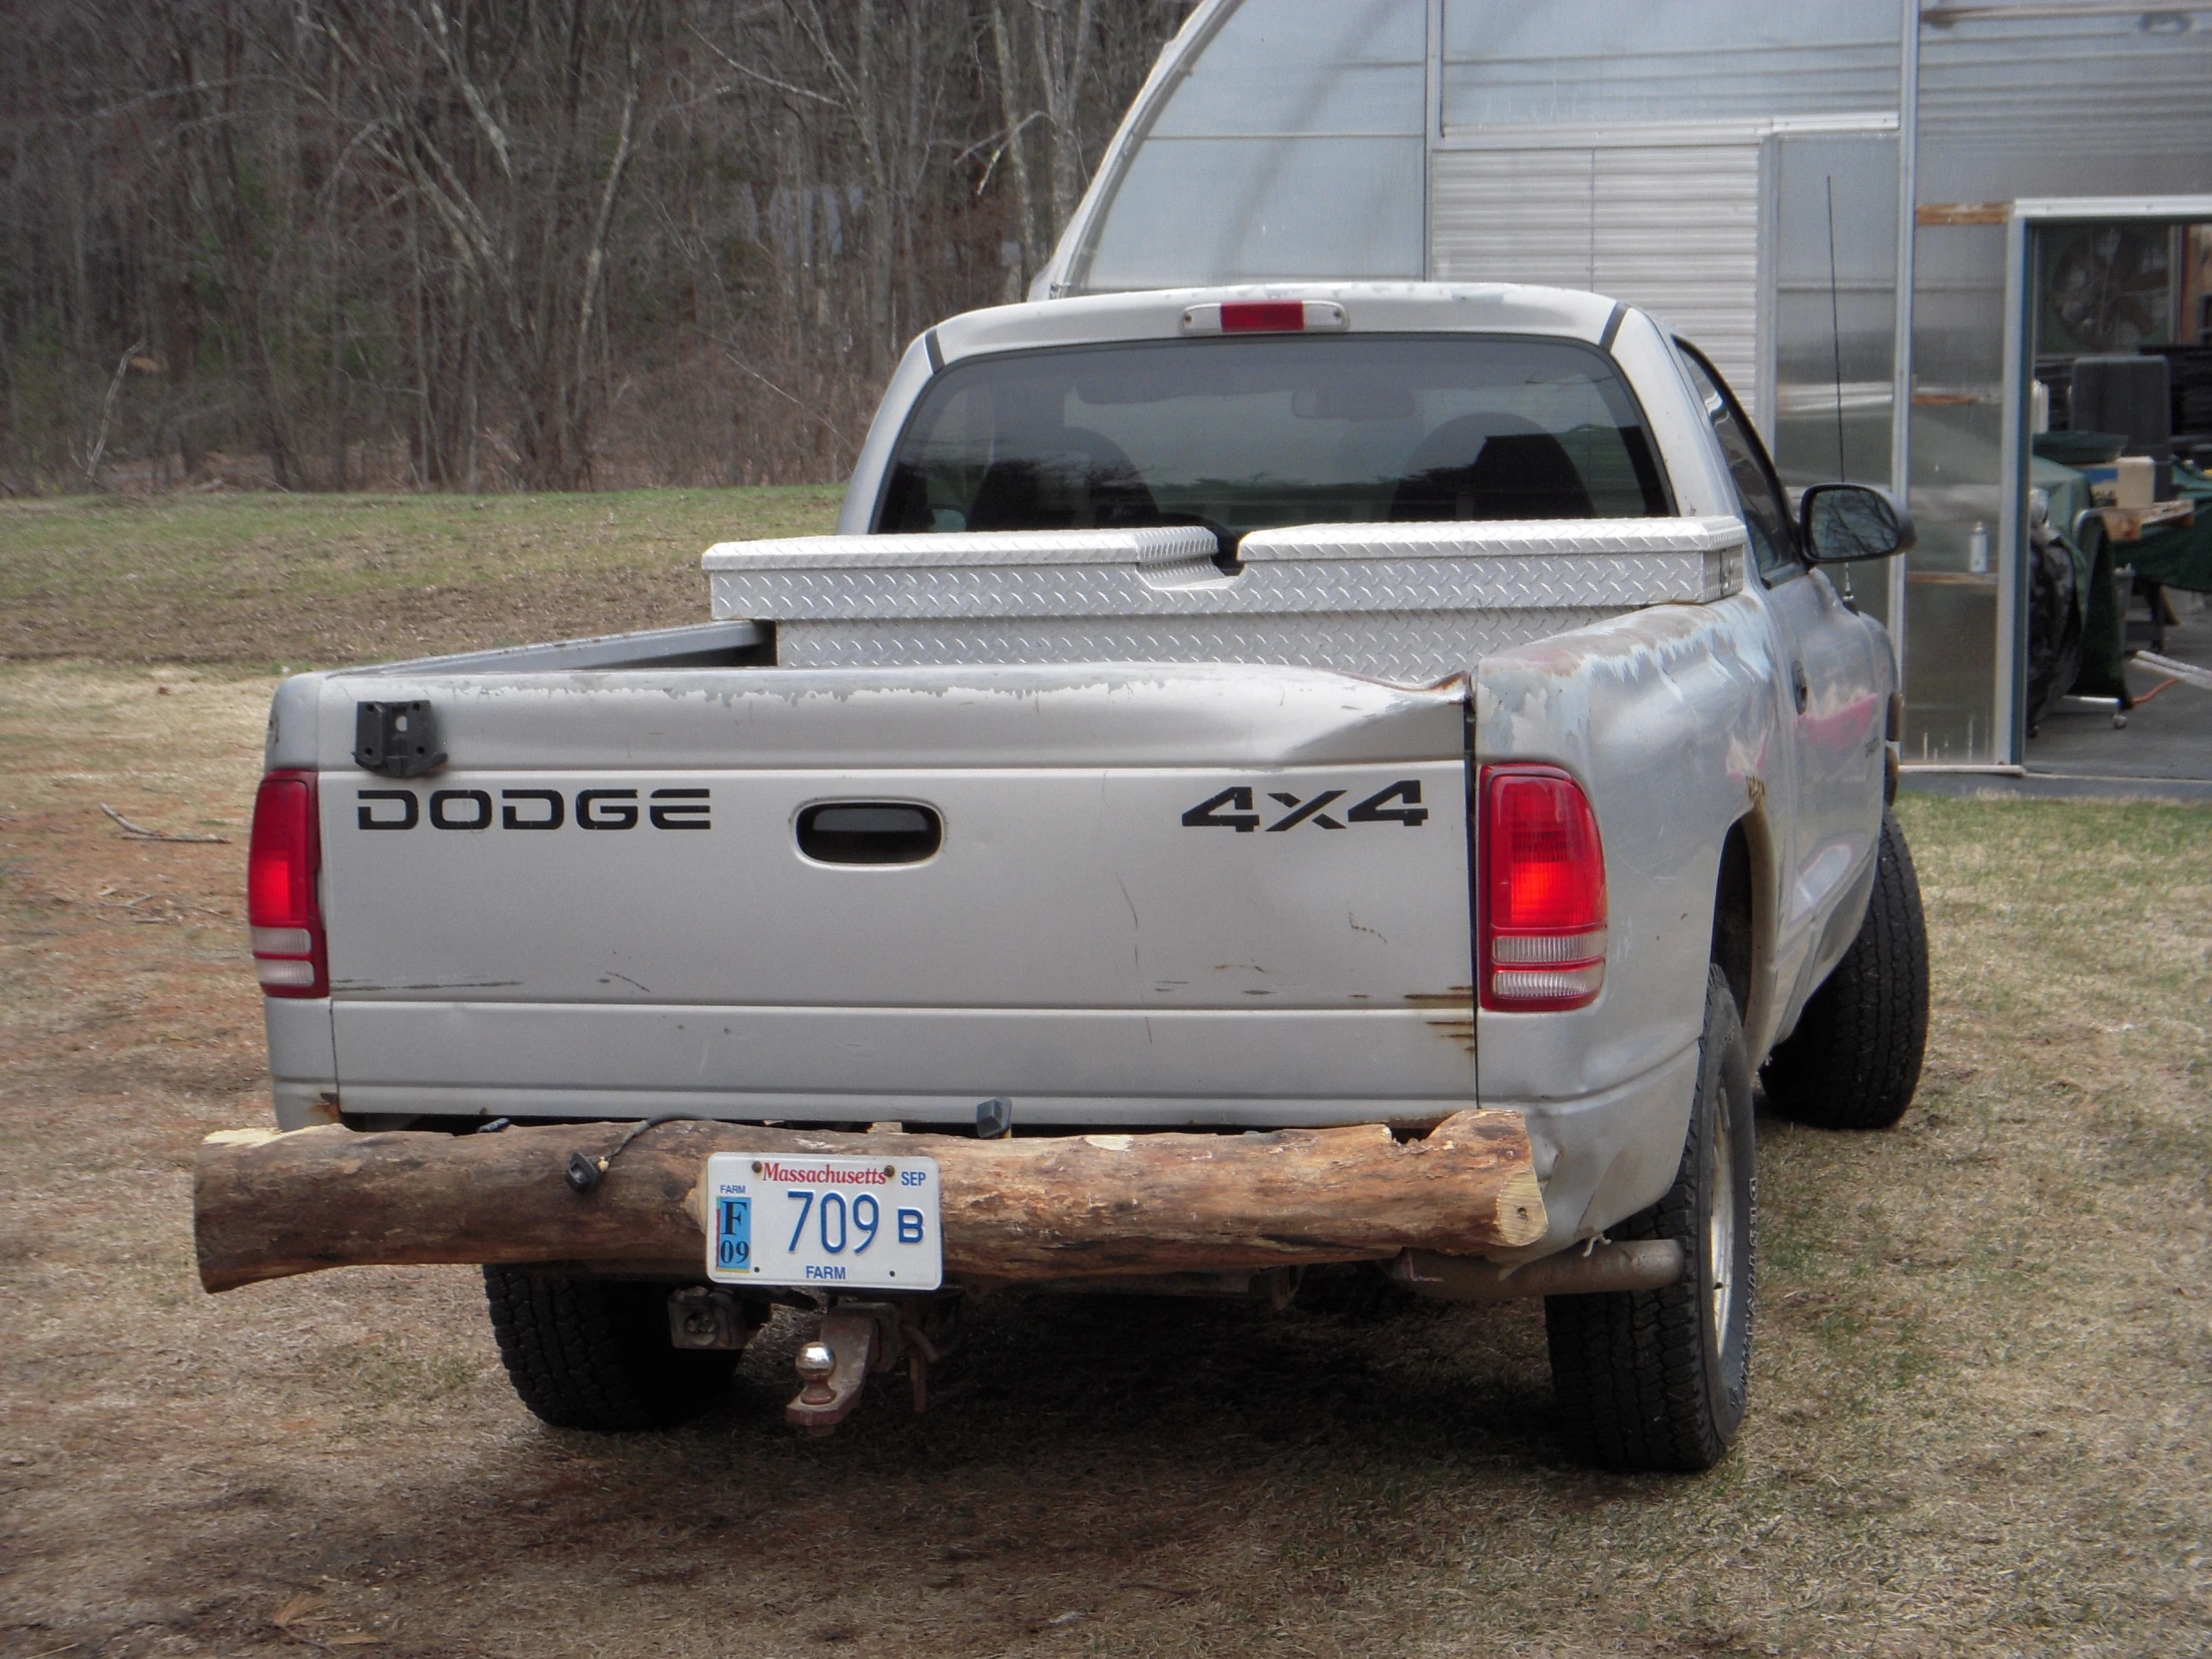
1543,891
281,905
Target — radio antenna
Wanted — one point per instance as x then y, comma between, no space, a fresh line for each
1836,327
1836,345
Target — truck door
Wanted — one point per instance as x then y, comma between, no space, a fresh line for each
1831,691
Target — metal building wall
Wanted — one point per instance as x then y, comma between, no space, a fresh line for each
1596,208
1831,305
1508,64
1678,108
2016,102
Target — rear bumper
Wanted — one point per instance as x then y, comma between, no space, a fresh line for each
1030,1209
1604,1156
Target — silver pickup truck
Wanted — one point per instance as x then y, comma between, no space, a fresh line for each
1247,761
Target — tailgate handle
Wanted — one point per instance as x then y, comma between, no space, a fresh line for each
870,833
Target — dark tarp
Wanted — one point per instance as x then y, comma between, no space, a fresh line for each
2176,556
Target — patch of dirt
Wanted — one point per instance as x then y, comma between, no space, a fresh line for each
1979,1424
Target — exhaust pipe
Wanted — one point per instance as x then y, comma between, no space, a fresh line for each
1599,1267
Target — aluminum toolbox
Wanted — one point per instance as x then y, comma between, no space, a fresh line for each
1406,602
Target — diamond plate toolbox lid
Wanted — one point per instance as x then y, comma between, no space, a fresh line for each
1177,571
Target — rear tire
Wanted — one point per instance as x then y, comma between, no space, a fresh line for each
1657,1379
1854,1060
595,1354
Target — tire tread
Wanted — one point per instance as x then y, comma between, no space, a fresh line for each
1854,1062
584,1353
1629,1368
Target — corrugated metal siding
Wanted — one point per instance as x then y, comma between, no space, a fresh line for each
1512,215
1678,233
1640,80
2098,106
1673,227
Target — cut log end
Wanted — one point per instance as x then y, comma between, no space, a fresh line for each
1521,1210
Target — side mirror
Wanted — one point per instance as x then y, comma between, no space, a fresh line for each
1840,523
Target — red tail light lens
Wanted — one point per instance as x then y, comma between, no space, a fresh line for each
1543,891
1262,316
280,869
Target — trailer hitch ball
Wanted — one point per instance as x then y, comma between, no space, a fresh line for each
814,1366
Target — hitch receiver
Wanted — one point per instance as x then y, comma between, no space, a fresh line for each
859,1340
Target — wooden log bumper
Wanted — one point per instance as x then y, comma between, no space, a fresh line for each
269,1205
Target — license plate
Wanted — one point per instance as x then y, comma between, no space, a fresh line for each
824,1223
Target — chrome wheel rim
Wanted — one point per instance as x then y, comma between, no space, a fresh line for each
1720,1222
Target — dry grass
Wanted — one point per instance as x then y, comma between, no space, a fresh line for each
1980,1421
268,582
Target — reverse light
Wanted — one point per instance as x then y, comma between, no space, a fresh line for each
282,912
1543,891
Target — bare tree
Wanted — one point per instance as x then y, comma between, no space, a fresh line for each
513,131
1063,38
460,243
1017,150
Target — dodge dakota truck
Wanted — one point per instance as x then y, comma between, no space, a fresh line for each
1261,779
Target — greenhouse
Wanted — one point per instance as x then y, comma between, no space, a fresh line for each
2035,178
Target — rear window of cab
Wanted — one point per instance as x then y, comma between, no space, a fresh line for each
1243,433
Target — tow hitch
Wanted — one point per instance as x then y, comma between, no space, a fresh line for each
859,1340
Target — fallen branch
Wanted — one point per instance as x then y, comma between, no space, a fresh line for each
1028,1208
139,832
107,414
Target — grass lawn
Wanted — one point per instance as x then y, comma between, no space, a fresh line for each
266,583
1981,1419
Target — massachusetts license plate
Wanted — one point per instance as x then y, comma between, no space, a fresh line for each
824,1223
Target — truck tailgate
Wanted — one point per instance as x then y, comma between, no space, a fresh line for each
1161,894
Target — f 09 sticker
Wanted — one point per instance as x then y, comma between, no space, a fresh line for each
1235,809
533,810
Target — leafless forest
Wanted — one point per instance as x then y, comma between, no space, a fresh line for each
515,244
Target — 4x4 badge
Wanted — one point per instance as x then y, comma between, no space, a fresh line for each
1377,809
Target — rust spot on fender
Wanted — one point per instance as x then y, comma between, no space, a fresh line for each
1457,1005
1458,1031
1460,996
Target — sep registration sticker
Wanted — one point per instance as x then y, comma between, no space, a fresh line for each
824,1224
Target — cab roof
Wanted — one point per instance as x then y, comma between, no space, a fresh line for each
1368,308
